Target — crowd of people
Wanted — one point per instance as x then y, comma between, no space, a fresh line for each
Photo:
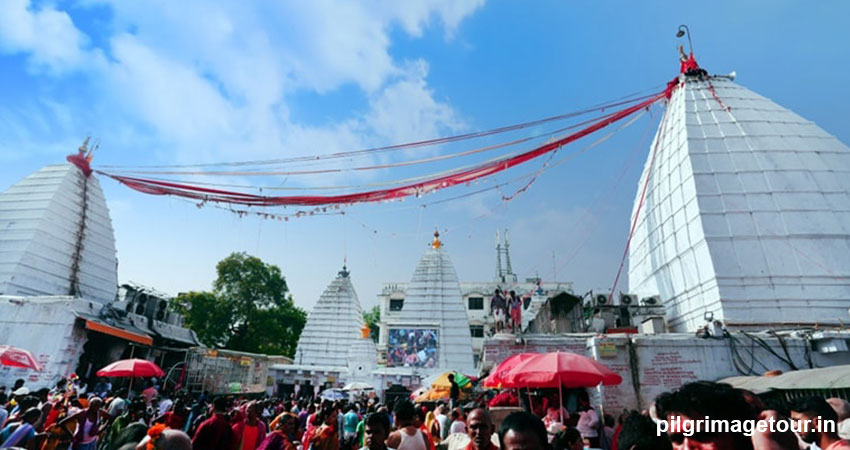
67,417
824,423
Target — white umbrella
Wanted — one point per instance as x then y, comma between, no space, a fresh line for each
357,386
332,394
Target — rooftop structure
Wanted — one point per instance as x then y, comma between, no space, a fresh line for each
332,327
56,237
746,216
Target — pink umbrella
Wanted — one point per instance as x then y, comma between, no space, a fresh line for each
496,377
18,357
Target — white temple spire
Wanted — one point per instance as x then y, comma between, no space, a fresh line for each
57,237
333,325
745,215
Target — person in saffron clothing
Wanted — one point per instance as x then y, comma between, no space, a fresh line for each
251,431
326,437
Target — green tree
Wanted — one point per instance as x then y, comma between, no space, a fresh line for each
249,309
372,317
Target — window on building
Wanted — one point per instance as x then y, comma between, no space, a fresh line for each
396,304
477,331
476,302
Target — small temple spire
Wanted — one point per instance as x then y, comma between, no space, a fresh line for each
436,244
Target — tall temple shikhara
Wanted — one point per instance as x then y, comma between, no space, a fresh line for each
434,302
746,216
59,293
56,237
332,327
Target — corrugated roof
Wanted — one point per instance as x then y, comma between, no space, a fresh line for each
40,220
834,377
747,213
174,333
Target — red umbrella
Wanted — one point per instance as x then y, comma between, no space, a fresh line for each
496,378
18,357
131,368
551,370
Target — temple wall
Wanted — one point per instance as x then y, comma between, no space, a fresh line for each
664,362
46,327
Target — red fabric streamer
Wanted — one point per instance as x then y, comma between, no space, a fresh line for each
82,161
149,186
689,64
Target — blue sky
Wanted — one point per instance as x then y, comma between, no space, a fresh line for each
165,82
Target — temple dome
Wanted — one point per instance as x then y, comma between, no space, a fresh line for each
56,237
746,214
332,327
433,299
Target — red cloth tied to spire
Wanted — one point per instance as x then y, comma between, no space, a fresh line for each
82,161
689,64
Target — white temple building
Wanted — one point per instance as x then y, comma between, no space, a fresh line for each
333,326
746,217
58,281
56,237
334,347
433,301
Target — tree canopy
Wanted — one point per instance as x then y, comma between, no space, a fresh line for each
372,317
249,309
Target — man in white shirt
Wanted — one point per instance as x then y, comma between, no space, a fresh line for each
588,422
457,424
118,404
443,420
165,405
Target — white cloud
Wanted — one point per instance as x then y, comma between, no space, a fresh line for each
414,16
46,34
406,109
200,81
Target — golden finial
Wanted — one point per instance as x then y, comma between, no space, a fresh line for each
436,243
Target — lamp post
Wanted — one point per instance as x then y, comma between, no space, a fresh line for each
684,30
